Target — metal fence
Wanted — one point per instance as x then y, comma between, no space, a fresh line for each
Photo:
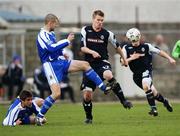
24,44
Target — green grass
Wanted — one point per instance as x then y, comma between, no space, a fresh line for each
110,119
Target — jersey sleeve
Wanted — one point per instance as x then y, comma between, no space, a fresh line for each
46,42
153,49
83,37
124,51
176,50
35,107
113,40
12,114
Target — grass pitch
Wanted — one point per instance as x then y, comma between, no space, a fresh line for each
110,119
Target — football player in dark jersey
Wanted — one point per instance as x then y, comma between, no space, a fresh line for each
94,45
139,57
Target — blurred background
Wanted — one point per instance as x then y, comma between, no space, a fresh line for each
21,20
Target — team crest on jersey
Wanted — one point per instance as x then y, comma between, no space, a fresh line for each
106,67
102,37
142,49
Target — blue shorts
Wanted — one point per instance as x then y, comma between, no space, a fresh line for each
55,70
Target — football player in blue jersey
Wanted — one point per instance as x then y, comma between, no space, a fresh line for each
22,109
139,57
55,65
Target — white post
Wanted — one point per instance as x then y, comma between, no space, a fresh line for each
125,78
23,53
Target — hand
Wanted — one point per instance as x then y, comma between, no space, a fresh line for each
66,56
172,61
96,55
136,55
125,63
70,37
18,122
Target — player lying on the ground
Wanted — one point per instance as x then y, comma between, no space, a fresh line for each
176,50
22,109
139,57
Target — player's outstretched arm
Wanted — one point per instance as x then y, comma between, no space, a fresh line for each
120,52
165,55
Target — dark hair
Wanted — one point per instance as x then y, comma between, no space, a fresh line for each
25,94
51,17
98,12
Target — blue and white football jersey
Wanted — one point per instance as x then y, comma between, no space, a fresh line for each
48,48
16,111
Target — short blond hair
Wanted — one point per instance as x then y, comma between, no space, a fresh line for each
98,12
51,18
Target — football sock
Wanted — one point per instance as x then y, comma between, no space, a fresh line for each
159,98
48,102
93,76
88,109
117,90
150,98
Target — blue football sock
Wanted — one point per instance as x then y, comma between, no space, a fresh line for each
48,102
93,76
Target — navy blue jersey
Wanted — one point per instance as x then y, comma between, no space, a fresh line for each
140,65
97,41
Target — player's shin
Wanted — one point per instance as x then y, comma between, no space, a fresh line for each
119,93
166,103
93,76
48,102
88,109
159,98
150,99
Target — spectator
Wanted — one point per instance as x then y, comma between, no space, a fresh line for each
67,88
14,77
41,82
2,91
159,62
65,83
176,50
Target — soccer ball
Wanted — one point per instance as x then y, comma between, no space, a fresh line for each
133,34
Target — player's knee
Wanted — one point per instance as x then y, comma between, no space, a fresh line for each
87,96
56,94
145,87
56,91
107,75
39,102
85,65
